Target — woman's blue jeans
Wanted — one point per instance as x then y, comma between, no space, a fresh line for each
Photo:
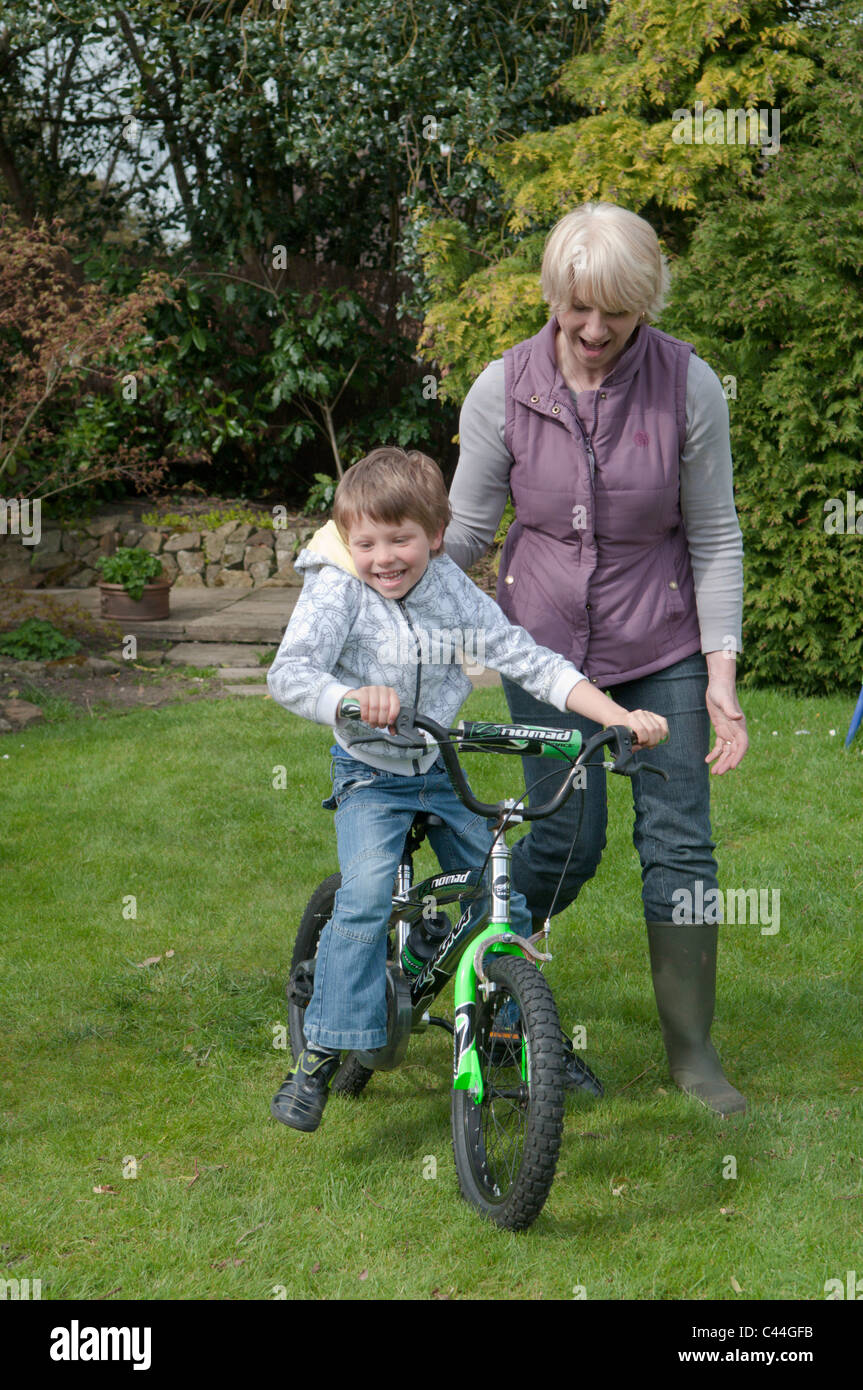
374,811
672,819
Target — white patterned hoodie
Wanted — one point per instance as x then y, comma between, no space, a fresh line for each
344,634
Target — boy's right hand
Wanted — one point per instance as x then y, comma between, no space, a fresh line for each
379,705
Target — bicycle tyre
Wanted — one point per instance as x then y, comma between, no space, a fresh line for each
352,1077
506,1149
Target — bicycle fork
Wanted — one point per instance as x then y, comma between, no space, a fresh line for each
498,937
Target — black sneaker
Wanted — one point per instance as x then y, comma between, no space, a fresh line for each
303,1094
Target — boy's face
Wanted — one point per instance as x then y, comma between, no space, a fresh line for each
391,558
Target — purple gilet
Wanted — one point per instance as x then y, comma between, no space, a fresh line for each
597,566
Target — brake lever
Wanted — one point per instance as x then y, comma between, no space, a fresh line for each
625,763
649,767
402,738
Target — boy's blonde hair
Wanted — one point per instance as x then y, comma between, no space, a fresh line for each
389,486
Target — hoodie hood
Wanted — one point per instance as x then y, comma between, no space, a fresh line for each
326,547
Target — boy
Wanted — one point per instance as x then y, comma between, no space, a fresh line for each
364,628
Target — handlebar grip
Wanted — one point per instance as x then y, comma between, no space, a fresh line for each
404,724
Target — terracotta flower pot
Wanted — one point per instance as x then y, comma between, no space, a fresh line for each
154,602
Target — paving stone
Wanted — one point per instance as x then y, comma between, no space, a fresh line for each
221,654
242,673
259,690
207,615
21,713
143,658
483,680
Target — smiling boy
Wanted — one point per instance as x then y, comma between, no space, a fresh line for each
360,631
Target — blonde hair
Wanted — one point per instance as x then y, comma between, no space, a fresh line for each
605,256
391,486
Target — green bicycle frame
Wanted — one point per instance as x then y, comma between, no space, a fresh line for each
467,1075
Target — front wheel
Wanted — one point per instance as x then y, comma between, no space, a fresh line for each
506,1148
351,1077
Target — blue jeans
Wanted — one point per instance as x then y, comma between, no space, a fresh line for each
374,811
672,819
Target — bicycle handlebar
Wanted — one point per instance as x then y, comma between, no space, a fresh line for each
616,736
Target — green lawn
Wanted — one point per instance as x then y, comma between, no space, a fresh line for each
172,1064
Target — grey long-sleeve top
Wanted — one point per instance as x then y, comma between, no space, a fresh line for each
481,486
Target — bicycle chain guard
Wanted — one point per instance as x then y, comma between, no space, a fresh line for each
399,1017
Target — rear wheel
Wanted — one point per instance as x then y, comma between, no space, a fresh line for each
506,1148
351,1078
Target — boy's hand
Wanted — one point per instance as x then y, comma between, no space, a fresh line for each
647,729
379,705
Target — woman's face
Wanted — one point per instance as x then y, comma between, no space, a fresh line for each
595,339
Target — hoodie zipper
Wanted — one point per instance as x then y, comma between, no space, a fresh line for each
413,630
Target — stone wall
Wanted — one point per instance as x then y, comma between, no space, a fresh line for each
235,555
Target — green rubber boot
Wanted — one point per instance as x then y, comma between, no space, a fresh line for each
683,964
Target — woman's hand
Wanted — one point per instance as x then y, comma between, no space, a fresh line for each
379,705
726,716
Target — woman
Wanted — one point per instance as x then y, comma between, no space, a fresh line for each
626,556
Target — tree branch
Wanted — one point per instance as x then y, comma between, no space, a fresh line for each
166,115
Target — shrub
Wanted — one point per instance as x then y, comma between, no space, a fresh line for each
770,295
37,640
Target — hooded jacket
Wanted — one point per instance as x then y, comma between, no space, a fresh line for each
343,634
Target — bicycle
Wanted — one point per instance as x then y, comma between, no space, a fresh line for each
508,1093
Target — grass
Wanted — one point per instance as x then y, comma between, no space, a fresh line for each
161,831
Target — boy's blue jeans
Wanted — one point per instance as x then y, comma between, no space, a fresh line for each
374,811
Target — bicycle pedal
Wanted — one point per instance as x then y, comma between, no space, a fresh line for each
301,985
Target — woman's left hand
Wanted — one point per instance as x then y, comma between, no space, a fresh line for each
729,723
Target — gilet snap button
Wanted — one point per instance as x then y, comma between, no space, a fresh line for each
673,584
